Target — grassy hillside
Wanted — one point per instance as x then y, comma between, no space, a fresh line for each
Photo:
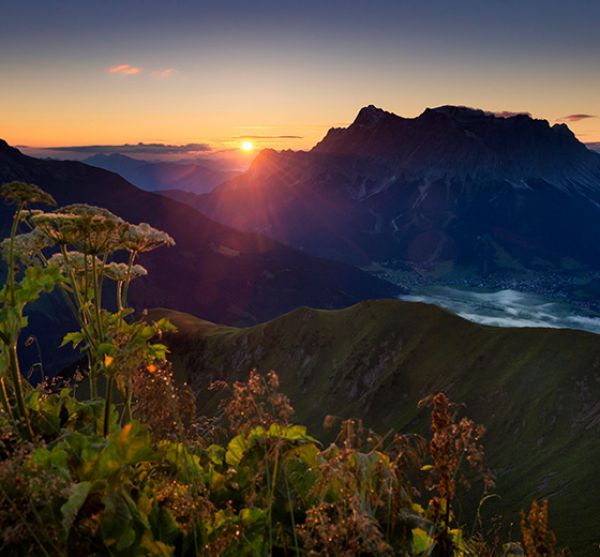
536,390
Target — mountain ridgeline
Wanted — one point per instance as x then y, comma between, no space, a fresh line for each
453,192
535,390
213,271
164,175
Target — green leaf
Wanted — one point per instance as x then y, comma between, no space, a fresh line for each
154,548
75,338
236,450
292,432
164,527
71,508
106,348
127,538
252,516
115,521
421,540
216,454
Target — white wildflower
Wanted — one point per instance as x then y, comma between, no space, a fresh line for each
118,271
24,193
143,237
26,247
75,261
91,230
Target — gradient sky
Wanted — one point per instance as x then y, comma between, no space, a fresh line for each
196,72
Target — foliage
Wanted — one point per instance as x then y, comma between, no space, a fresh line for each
538,539
143,475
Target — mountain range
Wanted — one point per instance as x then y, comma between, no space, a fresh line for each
454,192
164,175
535,390
213,271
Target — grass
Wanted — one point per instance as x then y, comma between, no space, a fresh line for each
534,389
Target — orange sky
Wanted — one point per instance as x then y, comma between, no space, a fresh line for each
103,108
108,73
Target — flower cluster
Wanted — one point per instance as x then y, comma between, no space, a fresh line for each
336,531
75,262
142,237
26,247
22,193
91,230
121,272
95,231
256,402
538,539
162,404
452,442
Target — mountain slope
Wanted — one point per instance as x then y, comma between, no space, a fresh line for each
454,191
164,175
536,390
213,271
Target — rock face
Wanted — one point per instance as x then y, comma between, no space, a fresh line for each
454,189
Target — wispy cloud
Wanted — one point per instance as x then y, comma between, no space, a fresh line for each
267,137
594,146
575,117
125,69
135,149
162,74
510,114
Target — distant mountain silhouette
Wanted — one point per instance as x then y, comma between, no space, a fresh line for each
453,190
163,175
213,271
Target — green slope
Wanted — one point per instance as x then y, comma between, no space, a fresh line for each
536,390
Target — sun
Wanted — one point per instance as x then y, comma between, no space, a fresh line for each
247,145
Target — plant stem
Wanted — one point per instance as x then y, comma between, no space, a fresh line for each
97,310
107,403
11,347
291,504
5,400
92,377
128,279
119,296
11,254
101,275
272,480
128,414
84,321
18,387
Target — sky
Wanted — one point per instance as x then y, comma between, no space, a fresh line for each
281,73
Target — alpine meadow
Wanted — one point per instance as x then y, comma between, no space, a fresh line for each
299,279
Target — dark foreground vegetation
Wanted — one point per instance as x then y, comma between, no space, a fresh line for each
116,461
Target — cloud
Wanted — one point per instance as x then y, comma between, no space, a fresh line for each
162,74
135,149
595,146
125,69
267,137
575,117
509,114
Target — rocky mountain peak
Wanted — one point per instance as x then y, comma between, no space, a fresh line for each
370,116
459,141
